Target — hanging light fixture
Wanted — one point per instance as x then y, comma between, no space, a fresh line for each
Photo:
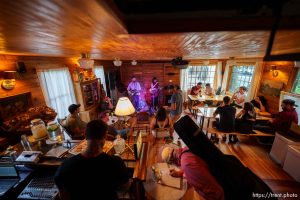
117,62
85,62
134,62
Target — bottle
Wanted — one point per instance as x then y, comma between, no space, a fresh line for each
38,129
54,131
205,109
119,145
25,143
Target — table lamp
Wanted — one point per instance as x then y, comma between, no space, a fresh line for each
124,108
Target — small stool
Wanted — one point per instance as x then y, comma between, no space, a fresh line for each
292,162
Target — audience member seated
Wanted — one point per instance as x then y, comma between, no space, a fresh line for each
195,170
245,119
105,103
208,90
260,104
283,120
226,122
238,98
104,116
196,90
74,125
92,174
161,121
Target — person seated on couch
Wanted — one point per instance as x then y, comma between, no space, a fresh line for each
194,169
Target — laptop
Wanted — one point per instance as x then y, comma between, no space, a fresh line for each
9,177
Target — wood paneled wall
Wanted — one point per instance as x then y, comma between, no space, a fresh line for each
286,75
28,82
144,72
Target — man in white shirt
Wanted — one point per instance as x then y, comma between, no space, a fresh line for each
239,97
134,89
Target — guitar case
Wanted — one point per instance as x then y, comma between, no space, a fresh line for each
238,182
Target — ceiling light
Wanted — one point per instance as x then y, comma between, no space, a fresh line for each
117,62
85,62
134,62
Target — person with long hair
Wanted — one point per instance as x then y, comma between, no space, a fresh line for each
161,121
245,119
154,90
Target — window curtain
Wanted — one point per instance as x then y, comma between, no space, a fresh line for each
184,82
58,89
255,80
258,65
99,72
218,76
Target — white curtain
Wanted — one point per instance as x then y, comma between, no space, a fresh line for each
226,75
57,88
218,76
99,72
184,82
257,73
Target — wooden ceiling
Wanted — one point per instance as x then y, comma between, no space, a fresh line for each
70,27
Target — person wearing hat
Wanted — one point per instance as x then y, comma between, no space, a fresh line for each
73,122
92,174
283,120
195,170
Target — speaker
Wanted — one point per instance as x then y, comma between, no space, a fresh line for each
21,68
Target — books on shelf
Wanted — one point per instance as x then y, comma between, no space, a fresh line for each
29,156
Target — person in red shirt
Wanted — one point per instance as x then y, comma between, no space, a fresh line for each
283,120
195,170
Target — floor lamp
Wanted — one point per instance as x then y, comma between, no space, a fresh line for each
124,108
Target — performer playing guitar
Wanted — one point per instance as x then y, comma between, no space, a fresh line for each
154,90
134,89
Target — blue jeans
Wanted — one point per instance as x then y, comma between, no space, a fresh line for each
136,101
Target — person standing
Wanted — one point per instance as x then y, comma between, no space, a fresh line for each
176,103
92,174
154,90
134,89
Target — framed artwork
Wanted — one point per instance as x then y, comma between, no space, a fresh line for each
14,105
271,88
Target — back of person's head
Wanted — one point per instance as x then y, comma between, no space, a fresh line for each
199,83
161,114
96,130
171,87
194,88
207,85
262,100
226,99
166,154
248,106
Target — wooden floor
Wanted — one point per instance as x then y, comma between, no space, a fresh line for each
256,157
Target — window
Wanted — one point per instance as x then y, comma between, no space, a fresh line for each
240,76
58,89
203,74
296,86
99,72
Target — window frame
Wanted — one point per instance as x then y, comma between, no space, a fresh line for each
190,84
295,79
230,76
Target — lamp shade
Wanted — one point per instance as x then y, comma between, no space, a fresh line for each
124,107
